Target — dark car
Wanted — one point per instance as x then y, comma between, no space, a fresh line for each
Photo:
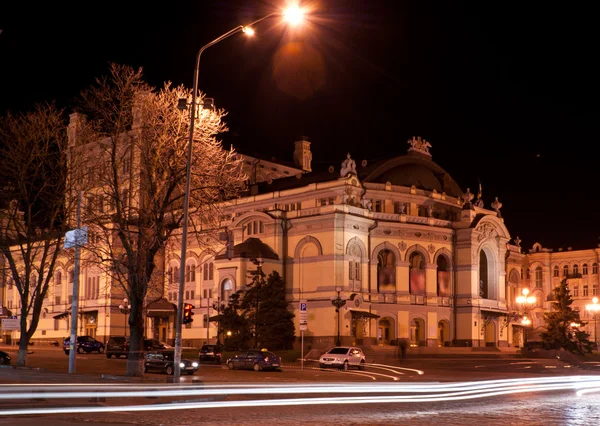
153,345
4,358
85,344
117,346
210,353
162,361
255,360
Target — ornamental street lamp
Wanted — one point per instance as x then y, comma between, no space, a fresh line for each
338,302
125,308
291,15
526,303
593,308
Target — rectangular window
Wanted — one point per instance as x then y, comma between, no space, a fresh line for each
378,206
187,295
357,271
192,294
538,278
595,268
576,291
556,272
351,270
205,321
595,290
56,324
585,290
57,300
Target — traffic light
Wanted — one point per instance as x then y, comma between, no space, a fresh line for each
188,313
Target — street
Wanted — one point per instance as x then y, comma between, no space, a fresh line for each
353,397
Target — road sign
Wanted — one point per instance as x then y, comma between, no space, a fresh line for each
303,312
76,237
10,324
303,327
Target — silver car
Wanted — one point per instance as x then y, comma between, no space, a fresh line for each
343,357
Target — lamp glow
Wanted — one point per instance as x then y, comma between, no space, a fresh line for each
293,15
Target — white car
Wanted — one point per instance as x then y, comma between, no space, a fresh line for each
343,357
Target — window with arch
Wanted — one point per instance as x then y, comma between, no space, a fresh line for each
386,271
209,271
416,268
443,277
92,286
173,274
584,269
226,290
556,271
255,227
575,269
595,268
190,273
538,277
57,287
354,267
566,271
483,275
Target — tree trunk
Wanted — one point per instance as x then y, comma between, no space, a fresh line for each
23,345
135,360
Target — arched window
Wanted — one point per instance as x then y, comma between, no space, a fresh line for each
354,269
416,266
483,275
386,271
173,274
208,271
57,287
584,269
556,271
443,277
226,291
538,277
190,273
595,268
575,269
566,271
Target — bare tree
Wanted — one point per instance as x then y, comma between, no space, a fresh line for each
130,142
33,208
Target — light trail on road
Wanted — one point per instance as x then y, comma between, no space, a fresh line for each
407,392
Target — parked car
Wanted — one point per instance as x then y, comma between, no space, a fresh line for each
4,358
210,353
117,346
163,362
343,357
153,345
255,360
85,344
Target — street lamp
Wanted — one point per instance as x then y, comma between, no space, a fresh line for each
292,15
338,302
526,304
594,308
217,307
258,262
125,308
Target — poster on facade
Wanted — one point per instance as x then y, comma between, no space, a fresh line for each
417,281
443,284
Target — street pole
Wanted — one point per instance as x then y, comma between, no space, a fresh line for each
207,318
74,304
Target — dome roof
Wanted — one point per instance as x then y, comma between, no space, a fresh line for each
414,169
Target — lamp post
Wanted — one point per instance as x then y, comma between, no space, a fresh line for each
593,308
258,262
526,304
217,307
293,16
338,302
125,308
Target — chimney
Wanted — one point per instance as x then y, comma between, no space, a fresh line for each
302,154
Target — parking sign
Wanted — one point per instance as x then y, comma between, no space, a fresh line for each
303,312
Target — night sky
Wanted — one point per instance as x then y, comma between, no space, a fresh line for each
507,93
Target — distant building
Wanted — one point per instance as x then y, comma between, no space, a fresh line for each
416,259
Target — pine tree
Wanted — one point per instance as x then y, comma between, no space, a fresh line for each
231,320
559,330
276,324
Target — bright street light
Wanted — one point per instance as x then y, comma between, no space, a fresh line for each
526,303
593,308
248,30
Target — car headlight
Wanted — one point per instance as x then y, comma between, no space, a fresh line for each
182,365
194,364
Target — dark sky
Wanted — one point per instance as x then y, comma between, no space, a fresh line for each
507,93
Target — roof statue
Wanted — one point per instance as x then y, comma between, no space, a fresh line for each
467,197
479,201
497,205
348,166
419,145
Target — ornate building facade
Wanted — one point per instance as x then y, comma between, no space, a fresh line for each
415,258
